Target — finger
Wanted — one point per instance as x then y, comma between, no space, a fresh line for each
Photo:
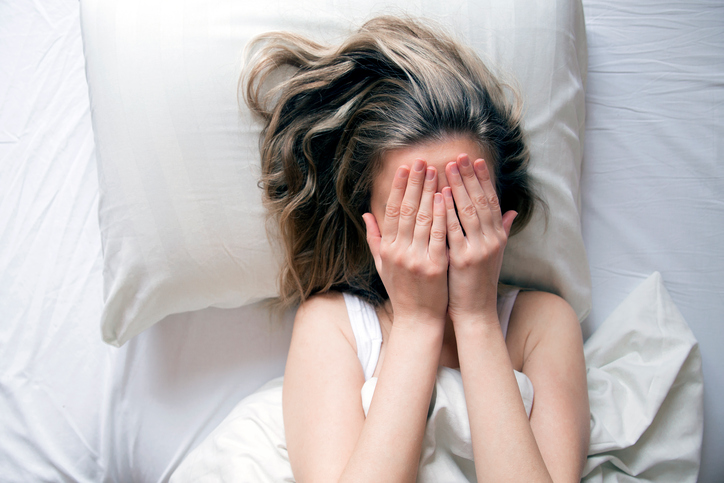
467,214
476,191
438,231
374,238
411,201
424,213
392,208
455,237
483,174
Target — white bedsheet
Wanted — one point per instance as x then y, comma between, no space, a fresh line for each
53,372
653,172
73,409
643,366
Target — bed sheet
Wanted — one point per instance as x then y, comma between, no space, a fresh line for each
52,370
74,409
653,172
71,407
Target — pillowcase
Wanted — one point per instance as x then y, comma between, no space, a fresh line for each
181,218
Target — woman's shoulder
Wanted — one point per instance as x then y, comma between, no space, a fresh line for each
537,315
538,305
325,313
321,303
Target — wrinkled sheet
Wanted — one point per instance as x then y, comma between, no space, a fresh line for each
645,389
652,186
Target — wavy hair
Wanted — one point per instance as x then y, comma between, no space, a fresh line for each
336,111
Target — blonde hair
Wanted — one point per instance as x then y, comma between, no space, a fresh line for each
394,83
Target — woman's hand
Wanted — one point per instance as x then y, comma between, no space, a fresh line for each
410,251
477,236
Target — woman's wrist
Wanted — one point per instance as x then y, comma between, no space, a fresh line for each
475,324
420,324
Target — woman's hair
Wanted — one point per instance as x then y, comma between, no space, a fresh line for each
393,84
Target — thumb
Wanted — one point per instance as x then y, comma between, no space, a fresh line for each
374,237
508,219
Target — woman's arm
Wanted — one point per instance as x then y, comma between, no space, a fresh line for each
506,445
328,438
545,341
545,334
327,434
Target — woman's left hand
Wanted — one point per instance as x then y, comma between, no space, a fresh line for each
477,236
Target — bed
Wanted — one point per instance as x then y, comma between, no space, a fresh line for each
73,408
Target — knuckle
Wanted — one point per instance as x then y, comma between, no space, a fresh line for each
495,243
469,210
455,227
416,267
459,262
399,260
424,218
432,273
480,200
392,210
407,210
494,201
437,234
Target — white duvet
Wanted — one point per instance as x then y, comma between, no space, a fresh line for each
645,389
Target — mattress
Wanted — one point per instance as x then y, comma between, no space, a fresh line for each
75,409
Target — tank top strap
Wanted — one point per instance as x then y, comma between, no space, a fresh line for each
506,300
367,332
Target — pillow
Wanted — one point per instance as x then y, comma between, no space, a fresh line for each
182,224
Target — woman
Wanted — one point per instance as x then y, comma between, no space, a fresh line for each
396,170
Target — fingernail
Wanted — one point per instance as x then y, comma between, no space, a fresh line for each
454,169
419,164
464,161
447,192
430,173
402,172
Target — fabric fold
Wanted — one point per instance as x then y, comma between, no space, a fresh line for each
645,389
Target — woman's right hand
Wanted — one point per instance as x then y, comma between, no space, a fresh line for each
410,250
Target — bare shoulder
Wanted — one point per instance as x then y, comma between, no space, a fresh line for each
322,306
538,316
324,314
323,417
536,307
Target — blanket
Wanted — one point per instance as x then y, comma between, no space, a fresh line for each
645,389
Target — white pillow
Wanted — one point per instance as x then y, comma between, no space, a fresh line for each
180,213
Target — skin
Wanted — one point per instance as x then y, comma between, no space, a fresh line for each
441,270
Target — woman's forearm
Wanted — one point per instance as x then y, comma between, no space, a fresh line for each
389,446
504,446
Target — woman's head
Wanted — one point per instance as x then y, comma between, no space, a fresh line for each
395,84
